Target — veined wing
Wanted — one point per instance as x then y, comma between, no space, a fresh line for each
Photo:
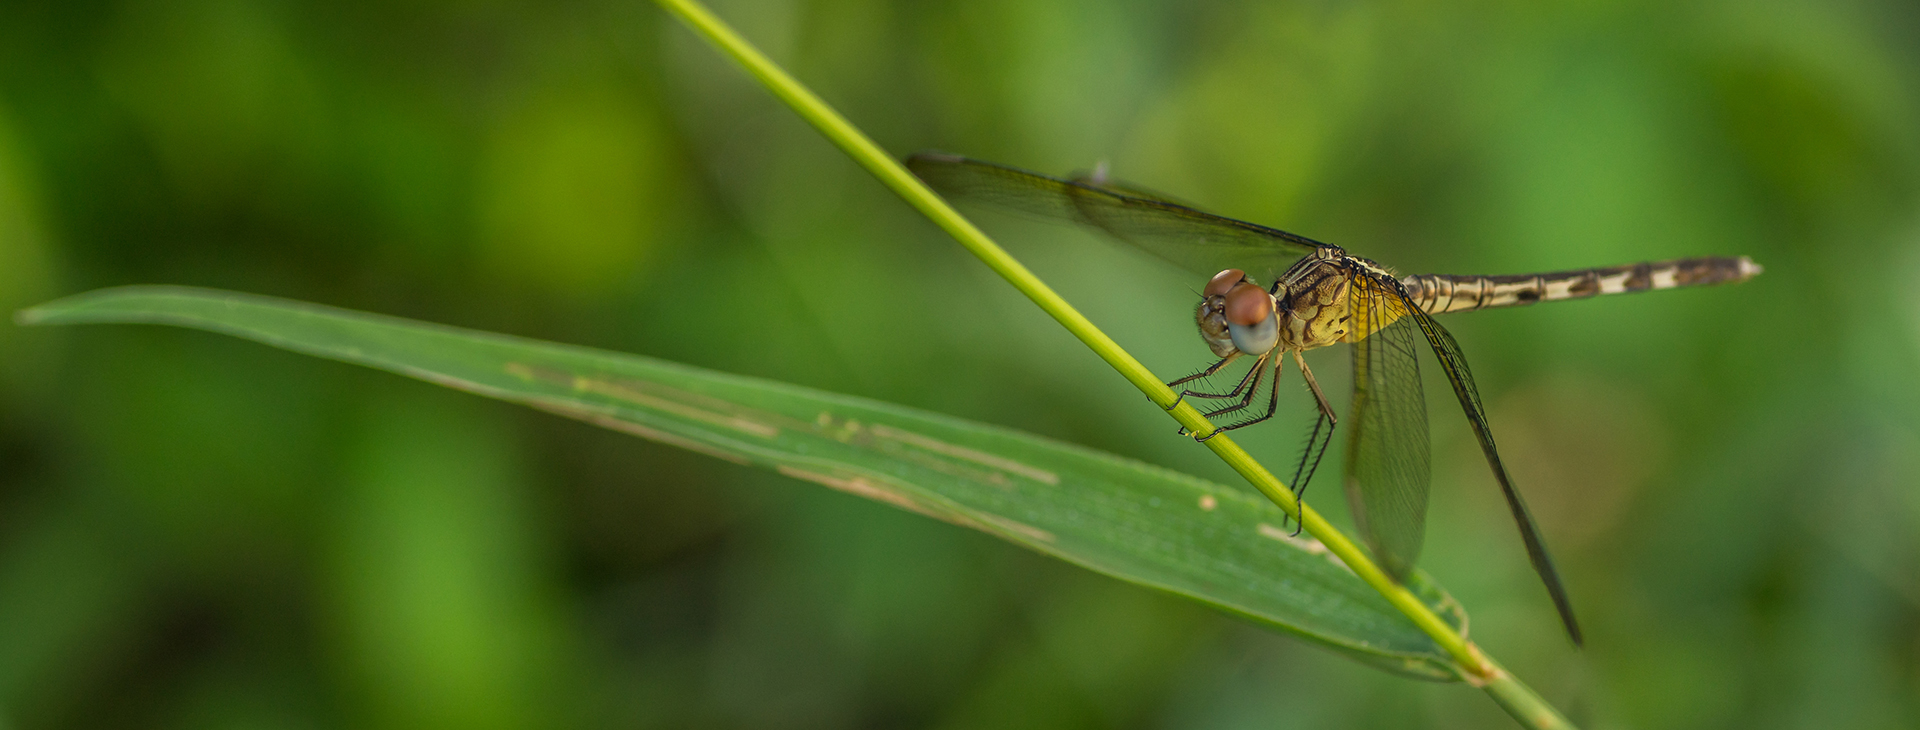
1199,241
1388,468
1455,365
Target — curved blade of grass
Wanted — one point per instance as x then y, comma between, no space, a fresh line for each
1126,519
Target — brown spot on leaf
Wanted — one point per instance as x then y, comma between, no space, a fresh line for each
609,421
861,486
1312,546
654,396
961,452
1019,528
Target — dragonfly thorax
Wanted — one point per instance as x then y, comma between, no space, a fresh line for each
1315,309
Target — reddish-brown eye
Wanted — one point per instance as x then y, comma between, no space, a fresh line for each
1248,305
1223,282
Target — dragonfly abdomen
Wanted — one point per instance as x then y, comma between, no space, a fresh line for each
1441,293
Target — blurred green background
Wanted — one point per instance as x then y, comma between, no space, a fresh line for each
201,532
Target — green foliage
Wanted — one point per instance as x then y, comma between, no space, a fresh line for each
197,531
1117,516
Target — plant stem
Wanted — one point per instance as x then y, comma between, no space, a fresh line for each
1521,702
1476,668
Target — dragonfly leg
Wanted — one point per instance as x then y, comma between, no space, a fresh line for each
1322,435
1248,388
1203,374
1310,457
1249,385
1258,371
1273,404
1314,385
1237,389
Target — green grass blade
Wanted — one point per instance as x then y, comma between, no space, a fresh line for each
1126,519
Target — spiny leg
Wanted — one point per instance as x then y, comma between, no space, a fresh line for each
1310,458
1254,375
1310,461
1250,378
1248,388
1303,472
1314,385
1249,385
1196,376
1273,404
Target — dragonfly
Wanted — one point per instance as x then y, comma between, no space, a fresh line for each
1320,295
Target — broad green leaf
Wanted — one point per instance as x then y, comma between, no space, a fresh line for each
1120,517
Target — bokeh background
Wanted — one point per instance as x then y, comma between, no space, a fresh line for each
201,532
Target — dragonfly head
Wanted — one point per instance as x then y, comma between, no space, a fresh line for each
1235,315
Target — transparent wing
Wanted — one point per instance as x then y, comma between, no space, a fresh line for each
1198,241
1455,365
1387,459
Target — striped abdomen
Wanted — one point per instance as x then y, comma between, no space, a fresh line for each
1441,293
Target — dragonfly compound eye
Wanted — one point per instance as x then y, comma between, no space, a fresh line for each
1251,321
1223,282
1248,305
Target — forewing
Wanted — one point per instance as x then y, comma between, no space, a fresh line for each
1198,241
1455,365
1388,466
